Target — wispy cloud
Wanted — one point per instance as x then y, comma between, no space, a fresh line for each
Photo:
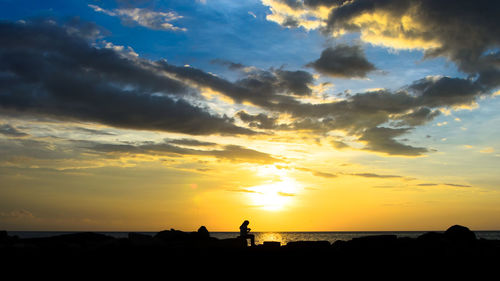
371,175
487,150
10,131
144,17
17,214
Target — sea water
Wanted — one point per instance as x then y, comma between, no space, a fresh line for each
282,237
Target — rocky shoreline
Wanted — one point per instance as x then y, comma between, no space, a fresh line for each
174,249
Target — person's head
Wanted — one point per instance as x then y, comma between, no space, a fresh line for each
246,222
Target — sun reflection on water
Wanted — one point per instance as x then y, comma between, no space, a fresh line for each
270,236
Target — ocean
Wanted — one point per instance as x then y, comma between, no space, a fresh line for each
282,237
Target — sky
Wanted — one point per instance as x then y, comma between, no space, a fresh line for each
297,115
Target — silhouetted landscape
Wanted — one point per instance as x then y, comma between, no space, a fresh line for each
174,249
344,131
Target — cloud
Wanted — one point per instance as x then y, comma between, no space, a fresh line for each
417,117
382,139
190,142
457,185
233,153
94,132
317,173
448,184
487,150
359,115
243,190
10,131
261,120
427,184
58,74
445,91
285,194
437,27
343,61
371,175
143,17
339,144
355,115
17,214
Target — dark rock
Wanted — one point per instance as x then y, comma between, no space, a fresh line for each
459,233
271,244
308,244
82,239
376,239
203,232
172,235
234,243
138,239
431,237
3,235
6,239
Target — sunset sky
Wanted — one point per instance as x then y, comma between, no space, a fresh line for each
297,115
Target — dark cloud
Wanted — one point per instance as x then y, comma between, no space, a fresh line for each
358,115
457,185
50,71
10,131
190,142
417,117
371,175
265,88
382,139
261,120
20,149
448,184
445,91
231,65
326,3
343,61
290,22
229,152
94,132
242,154
465,32
339,144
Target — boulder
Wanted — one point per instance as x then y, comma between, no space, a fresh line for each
201,234
374,241
459,233
139,239
172,235
376,238
271,244
308,244
431,237
233,243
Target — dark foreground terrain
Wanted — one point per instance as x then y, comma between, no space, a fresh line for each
451,253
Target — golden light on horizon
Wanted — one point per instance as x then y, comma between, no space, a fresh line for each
275,196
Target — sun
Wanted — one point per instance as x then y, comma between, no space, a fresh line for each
275,196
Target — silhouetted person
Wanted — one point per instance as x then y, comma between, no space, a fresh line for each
244,230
